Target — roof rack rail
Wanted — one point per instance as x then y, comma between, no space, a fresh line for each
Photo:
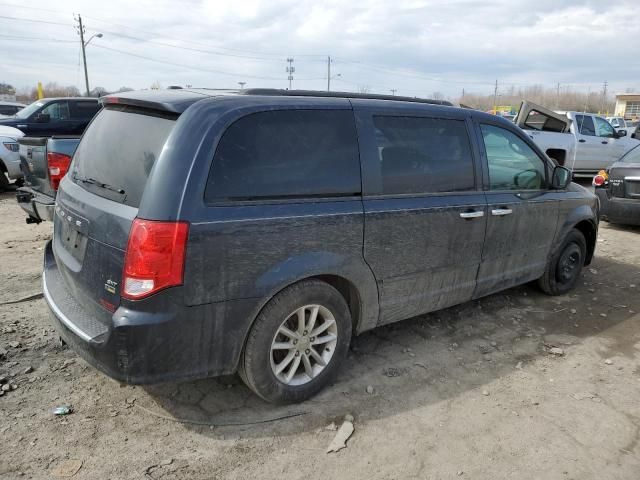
318,93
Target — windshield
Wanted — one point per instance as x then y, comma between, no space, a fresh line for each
26,112
633,156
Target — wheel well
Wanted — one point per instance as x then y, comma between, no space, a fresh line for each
589,231
3,167
349,292
558,155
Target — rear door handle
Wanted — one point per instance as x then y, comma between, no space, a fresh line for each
582,140
475,214
21,126
604,143
499,212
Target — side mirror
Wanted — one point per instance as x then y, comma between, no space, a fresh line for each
622,133
561,178
43,118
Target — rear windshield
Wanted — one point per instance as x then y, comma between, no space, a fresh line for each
117,152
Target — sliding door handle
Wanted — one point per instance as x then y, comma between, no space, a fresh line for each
476,214
500,212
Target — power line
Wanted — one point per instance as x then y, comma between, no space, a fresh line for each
17,37
35,21
182,65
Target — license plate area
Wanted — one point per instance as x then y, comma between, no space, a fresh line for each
72,233
632,188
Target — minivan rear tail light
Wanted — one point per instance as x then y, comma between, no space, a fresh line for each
155,256
58,164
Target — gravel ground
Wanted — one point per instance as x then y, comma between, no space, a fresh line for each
516,385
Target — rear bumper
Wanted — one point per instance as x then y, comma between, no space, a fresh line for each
618,210
38,206
151,341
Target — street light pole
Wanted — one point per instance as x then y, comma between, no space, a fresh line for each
84,56
84,44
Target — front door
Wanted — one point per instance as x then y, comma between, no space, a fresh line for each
614,147
522,212
589,147
425,213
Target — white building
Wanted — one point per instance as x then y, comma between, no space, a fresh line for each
628,105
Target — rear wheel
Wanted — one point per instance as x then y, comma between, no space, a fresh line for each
297,343
564,267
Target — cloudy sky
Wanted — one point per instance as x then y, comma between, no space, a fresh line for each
416,47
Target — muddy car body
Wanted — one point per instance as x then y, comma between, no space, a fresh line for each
256,232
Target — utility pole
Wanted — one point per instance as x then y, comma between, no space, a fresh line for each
328,74
462,93
393,91
604,96
495,97
290,69
558,96
80,29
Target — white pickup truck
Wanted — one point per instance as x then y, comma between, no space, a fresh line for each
583,142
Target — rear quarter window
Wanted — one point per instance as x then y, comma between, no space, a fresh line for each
286,154
119,149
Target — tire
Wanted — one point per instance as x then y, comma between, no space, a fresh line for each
266,371
4,181
564,266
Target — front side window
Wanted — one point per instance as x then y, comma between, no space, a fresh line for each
513,165
604,129
57,111
287,154
584,123
423,155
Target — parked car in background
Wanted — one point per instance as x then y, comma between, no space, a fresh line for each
44,161
9,157
597,144
8,109
54,116
618,189
619,123
199,234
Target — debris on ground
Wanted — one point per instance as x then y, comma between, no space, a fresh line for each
608,361
66,469
369,389
557,351
340,440
331,427
63,410
485,393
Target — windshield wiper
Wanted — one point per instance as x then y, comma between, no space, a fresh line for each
93,181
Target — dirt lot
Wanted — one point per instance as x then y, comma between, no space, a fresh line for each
472,392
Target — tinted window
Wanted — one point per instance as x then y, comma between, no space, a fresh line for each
84,109
29,110
119,149
584,123
604,129
423,155
513,165
633,156
9,109
290,153
57,111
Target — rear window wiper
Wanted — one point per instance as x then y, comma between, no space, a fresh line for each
93,181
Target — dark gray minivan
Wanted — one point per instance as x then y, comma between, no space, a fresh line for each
201,233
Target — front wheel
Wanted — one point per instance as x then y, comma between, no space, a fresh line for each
564,266
297,343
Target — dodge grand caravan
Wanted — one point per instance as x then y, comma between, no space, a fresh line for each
201,233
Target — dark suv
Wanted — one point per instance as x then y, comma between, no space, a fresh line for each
199,233
54,116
